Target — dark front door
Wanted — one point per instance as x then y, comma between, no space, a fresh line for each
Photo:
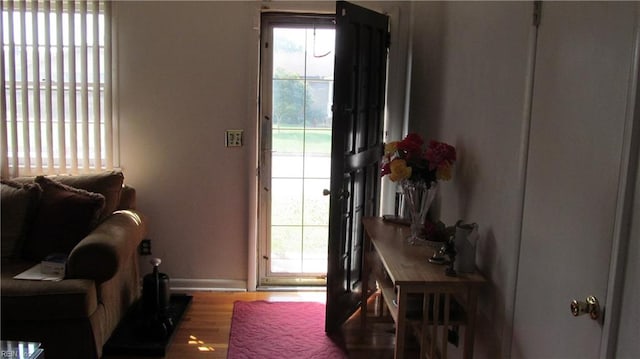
356,149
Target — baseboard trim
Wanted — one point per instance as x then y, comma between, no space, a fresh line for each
209,285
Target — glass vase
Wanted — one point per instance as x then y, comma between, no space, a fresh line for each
418,197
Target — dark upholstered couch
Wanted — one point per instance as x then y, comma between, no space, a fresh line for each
92,219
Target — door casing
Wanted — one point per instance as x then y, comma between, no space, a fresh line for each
269,20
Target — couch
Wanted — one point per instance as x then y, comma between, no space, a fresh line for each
93,220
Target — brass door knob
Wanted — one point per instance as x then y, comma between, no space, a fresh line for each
343,194
590,306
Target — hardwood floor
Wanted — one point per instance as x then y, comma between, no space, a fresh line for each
204,330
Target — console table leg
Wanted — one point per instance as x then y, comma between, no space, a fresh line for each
426,306
401,325
434,327
469,332
445,324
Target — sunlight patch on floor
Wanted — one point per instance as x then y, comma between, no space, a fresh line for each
200,345
304,296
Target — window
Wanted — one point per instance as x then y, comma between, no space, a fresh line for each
56,87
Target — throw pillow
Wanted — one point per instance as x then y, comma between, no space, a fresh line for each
18,204
108,184
64,217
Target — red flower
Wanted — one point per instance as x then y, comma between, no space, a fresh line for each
407,159
440,154
411,145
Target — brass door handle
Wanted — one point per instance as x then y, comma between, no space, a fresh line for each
590,305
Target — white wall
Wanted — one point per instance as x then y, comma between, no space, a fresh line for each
188,71
468,88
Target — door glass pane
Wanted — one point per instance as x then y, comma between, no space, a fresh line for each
321,43
288,102
318,97
289,53
316,205
286,201
314,252
301,149
287,145
317,153
285,251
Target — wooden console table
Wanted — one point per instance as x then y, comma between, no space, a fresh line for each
404,274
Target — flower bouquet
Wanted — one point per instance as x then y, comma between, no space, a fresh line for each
418,171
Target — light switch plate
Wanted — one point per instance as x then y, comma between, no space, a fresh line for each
233,138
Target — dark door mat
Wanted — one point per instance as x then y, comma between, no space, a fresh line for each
133,336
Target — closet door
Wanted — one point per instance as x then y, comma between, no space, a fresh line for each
576,164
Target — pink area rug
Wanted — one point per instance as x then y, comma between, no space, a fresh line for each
280,330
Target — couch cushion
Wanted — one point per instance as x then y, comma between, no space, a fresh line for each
108,184
18,204
65,215
44,300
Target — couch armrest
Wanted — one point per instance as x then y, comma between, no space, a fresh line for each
127,198
100,254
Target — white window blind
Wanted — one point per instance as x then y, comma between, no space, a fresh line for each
56,87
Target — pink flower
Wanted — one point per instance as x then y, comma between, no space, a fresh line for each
440,155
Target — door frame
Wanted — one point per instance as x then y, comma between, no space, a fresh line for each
268,21
624,208
397,103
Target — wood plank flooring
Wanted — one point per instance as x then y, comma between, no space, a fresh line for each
204,330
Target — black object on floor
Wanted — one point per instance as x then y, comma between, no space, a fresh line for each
132,336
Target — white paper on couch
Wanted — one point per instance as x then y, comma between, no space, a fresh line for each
35,273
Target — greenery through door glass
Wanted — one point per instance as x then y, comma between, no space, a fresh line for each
302,86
